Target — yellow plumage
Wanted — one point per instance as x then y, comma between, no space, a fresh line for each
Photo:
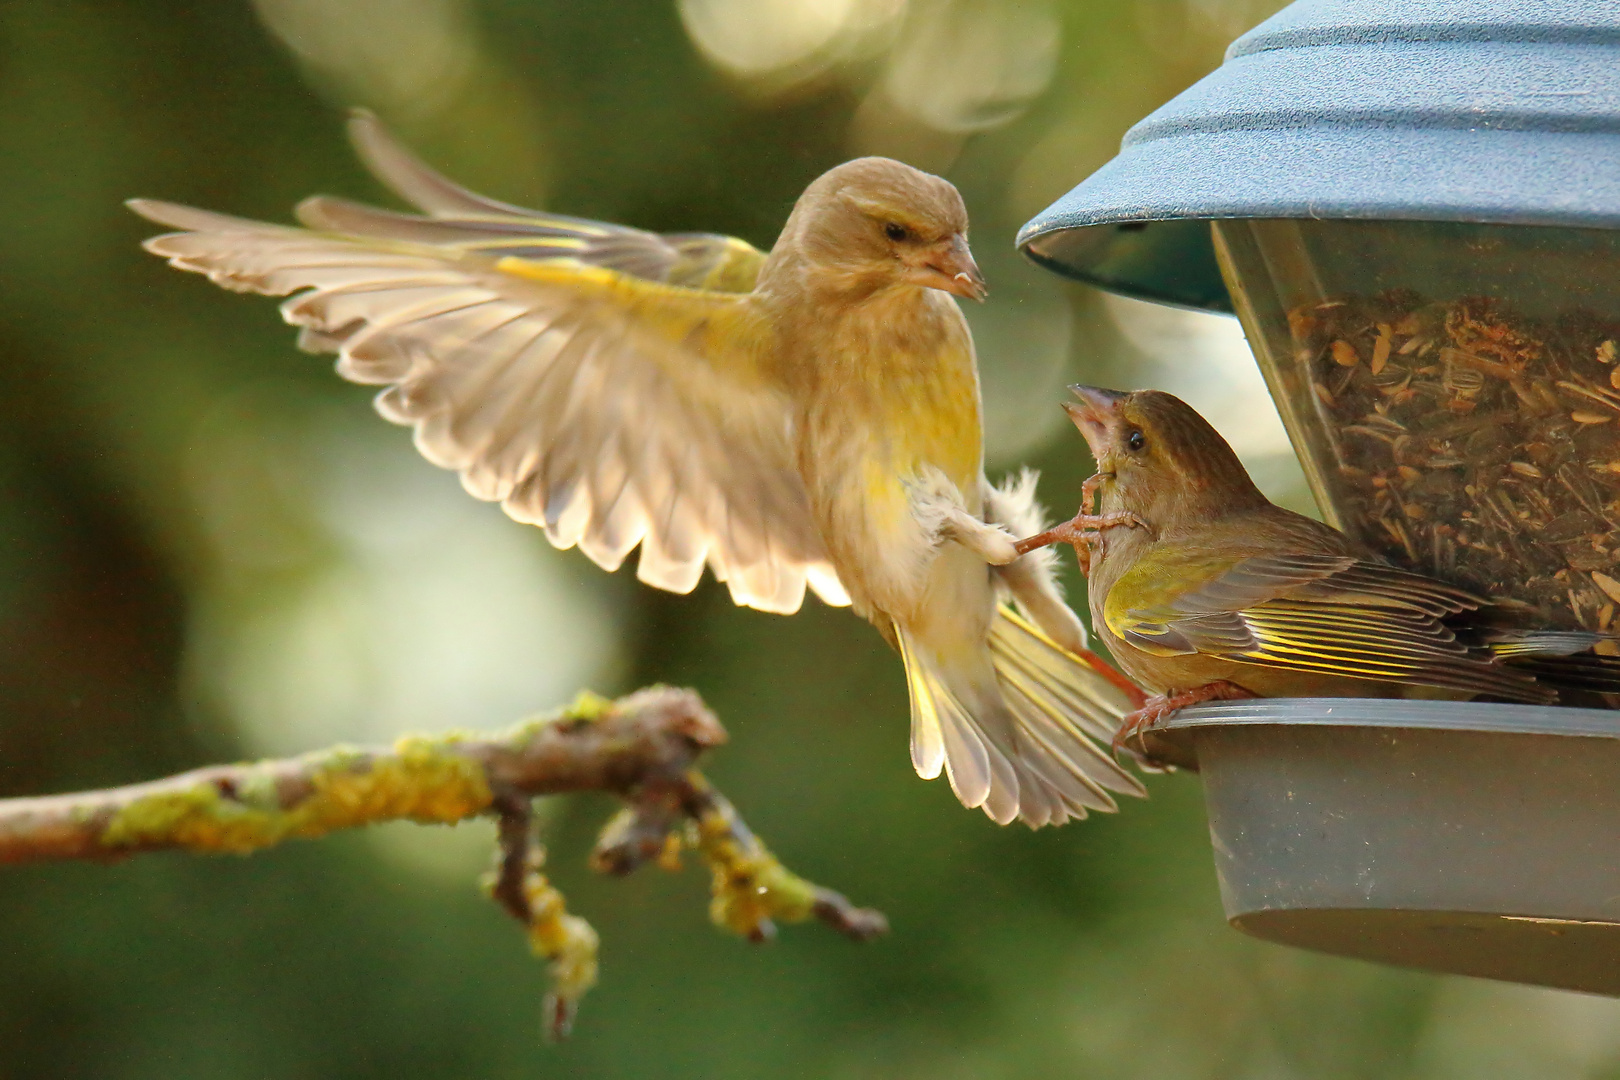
804,419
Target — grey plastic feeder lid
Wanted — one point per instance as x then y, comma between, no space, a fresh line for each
1504,111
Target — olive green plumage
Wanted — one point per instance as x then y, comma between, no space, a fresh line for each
1213,583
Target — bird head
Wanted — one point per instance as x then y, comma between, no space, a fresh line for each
874,223
1158,458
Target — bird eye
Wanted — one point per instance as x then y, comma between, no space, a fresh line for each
896,232
1135,440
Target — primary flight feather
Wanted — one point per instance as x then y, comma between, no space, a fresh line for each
804,418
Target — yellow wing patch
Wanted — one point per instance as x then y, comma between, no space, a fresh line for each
721,326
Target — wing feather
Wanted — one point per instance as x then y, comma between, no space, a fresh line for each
610,410
1333,614
462,218
392,163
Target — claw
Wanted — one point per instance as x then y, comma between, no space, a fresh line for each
1082,529
1159,706
1085,528
1088,493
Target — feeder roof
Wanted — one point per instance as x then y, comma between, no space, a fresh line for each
1503,111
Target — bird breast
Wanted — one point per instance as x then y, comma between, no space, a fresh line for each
888,391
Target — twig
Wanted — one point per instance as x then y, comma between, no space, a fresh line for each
750,886
641,748
516,883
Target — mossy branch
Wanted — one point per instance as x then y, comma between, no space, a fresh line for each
642,748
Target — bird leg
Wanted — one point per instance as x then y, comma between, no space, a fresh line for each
991,543
1082,529
1088,493
1160,706
1085,528
937,505
1118,679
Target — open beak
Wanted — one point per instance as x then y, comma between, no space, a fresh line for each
1094,415
950,267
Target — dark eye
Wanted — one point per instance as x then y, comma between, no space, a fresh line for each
1135,440
896,232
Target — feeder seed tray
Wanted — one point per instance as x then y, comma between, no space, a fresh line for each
1479,840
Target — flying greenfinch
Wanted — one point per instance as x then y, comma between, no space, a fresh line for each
1203,589
807,417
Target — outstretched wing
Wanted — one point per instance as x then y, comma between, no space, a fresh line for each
611,410
1333,614
470,220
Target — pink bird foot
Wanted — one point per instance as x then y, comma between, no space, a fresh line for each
1080,531
1088,493
1159,706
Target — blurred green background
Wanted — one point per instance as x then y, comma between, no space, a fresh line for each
211,548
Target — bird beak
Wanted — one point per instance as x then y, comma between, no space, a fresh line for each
950,266
1094,415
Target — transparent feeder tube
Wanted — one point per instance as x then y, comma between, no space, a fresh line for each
1453,392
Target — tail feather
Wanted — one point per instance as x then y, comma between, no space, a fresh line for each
945,734
1579,660
1024,747
927,734
1081,694
1062,702
1073,760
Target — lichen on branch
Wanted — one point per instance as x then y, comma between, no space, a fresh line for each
642,748
423,779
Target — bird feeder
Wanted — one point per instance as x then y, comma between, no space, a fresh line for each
1413,206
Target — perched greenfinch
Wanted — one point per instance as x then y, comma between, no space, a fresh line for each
1203,589
807,417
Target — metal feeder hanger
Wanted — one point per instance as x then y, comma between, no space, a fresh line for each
1414,208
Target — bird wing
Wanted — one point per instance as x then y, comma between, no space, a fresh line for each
1331,614
609,409
464,218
